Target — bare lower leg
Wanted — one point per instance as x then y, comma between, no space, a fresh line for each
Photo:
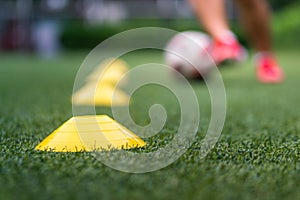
212,15
255,15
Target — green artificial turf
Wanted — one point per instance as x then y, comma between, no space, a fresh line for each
257,156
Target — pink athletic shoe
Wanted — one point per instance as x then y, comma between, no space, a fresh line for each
228,49
268,70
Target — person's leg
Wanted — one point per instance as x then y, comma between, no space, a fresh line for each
212,15
255,15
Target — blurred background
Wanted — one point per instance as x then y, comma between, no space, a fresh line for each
47,27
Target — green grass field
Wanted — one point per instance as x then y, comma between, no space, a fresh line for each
257,156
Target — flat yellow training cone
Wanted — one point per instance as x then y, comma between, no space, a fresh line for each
100,89
110,71
100,95
90,133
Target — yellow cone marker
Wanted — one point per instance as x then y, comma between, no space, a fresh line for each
100,89
90,133
114,71
101,95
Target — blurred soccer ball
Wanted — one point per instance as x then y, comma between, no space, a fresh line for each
188,53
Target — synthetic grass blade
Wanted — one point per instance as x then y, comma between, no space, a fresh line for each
90,133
